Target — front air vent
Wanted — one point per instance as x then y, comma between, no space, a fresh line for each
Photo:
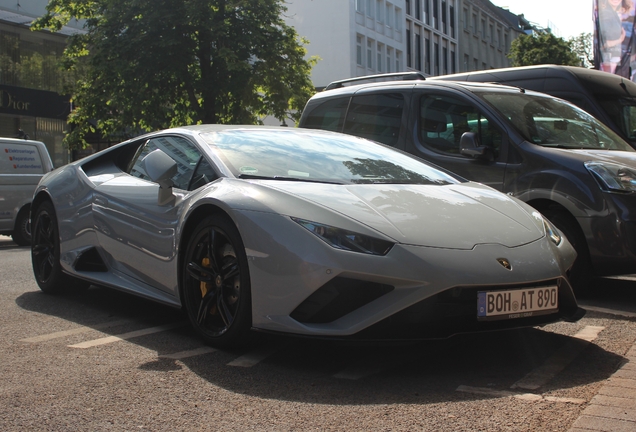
337,298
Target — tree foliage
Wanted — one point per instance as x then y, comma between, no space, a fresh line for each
582,46
152,64
544,48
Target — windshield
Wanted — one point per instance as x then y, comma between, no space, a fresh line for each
554,123
303,155
622,111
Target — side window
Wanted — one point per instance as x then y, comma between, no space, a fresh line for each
182,151
203,175
443,121
328,116
376,116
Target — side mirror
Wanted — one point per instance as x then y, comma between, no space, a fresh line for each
161,168
469,146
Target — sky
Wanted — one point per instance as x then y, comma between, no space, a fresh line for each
567,18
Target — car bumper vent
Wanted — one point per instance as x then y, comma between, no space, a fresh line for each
90,261
337,298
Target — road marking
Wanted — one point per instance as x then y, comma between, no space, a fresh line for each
608,311
74,331
559,360
189,353
252,358
523,396
126,336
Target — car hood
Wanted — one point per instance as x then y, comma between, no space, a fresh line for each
620,157
451,216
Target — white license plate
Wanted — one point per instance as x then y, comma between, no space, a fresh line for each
519,303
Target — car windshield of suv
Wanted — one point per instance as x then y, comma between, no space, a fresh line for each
554,123
622,111
296,155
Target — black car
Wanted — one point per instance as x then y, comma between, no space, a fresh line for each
545,151
608,97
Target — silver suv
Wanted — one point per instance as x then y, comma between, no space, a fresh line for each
22,165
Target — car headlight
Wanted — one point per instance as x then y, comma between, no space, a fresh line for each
550,230
613,177
346,240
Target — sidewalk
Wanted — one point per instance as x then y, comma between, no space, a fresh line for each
613,409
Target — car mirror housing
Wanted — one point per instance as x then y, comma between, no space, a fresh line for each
469,146
161,168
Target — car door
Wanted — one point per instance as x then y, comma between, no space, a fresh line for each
136,233
439,121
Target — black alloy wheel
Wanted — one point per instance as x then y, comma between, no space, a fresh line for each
216,283
22,232
45,253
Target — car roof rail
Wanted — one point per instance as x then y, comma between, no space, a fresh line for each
404,75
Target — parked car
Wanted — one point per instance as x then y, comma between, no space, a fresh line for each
22,165
545,151
304,232
608,97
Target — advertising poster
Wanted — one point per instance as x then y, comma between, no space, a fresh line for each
614,37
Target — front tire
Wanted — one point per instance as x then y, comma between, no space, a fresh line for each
582,272
45,253
216,283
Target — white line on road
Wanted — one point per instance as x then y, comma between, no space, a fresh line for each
189,353
559,360
252,358
126,336
74,331
522,396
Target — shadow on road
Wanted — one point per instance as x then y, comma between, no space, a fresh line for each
327,372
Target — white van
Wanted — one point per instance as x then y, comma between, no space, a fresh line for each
22,165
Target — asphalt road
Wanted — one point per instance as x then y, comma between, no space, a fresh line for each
104,360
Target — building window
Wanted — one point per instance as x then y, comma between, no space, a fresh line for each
427,56
360,6
370,9
466,63
483,29
388,17
418,9
398,19
369,53
398,61
379,61
436,59
453,64
492,34
389,59
407,6
379,11
444,29
451,14
475,24
359,50
475,64
435,14
445,61
499,38
465,16
418,51
409,62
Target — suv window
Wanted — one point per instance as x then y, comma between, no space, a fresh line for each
444,119
182,151
377,117
328,116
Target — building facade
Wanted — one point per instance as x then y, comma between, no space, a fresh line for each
32,100
434,37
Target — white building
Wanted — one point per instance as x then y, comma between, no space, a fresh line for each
364,37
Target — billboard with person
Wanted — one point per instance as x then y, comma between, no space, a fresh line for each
614,37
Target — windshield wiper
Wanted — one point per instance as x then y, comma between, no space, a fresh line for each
282,178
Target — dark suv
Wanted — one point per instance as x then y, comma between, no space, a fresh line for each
544,151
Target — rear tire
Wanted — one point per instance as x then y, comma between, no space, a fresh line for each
582,273
45,254
22,230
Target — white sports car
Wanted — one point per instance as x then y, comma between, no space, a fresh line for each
298,231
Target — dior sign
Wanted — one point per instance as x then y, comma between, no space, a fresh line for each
10,101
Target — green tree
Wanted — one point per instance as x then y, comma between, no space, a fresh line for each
582,46
152,64
544,48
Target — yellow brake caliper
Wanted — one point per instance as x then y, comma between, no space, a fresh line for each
205,286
